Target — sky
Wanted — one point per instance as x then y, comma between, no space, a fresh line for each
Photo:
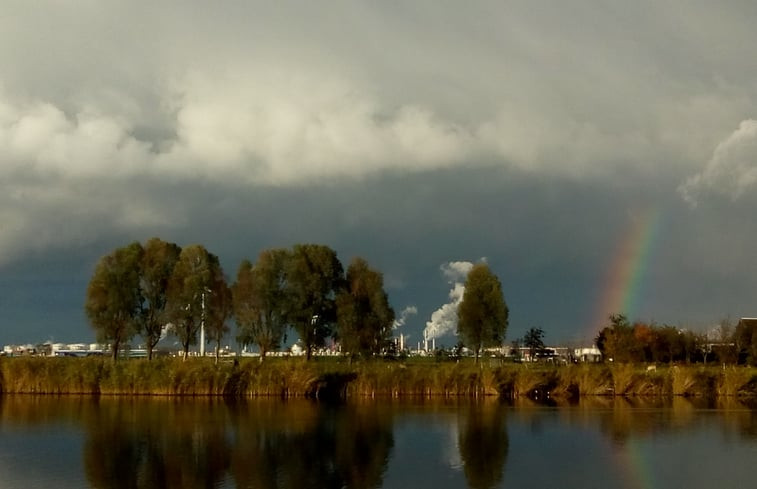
601,157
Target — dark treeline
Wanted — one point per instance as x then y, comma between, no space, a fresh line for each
624,342
143,289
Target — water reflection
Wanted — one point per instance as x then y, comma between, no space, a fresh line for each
310,446
172,443
483,443
139,444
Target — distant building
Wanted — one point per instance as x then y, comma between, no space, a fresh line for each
588,355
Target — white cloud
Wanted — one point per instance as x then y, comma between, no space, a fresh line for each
731,171
281,130
291,94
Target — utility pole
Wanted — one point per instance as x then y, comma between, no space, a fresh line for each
202,327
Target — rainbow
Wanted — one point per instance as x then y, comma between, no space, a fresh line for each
622,288
635,469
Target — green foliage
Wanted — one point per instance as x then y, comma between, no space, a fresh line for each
364,317
314,278
218,310
260,301
621,342
534,340
156,267
482,314
616,342
195,278
114,299
745,341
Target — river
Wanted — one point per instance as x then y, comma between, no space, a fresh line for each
80,442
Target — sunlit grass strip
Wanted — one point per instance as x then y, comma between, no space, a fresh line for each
293,377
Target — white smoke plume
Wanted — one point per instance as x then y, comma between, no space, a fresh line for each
404,315
168,328
444,320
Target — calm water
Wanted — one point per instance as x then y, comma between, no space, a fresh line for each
145,443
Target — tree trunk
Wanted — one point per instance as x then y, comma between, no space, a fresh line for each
149,351
114,350
308,352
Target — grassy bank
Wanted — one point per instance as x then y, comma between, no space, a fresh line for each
290,377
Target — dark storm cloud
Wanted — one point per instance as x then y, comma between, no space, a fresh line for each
413,135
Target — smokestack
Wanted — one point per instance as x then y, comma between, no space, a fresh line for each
402,342
433,343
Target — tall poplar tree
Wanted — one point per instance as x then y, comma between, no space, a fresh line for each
482,314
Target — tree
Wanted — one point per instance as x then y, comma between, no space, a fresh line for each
196,271
670,344
218,310
727,349
314,277
157,265
260,301
534,341
364,317
482,314
113,296
644,336
745,340
617,341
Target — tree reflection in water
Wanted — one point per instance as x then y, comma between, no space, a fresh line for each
483,443
145,444
171,443
311,446
141,444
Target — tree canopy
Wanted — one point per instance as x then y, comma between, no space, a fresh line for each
260,300
364,316
482,314
534,340
196,273
314,278
157,265
113,303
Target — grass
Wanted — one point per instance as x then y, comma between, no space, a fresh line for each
329,377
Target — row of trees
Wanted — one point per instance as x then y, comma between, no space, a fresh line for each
140,289
622,341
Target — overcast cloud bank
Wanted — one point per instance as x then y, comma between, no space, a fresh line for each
527,135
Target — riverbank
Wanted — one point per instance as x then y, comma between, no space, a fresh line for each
336,378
